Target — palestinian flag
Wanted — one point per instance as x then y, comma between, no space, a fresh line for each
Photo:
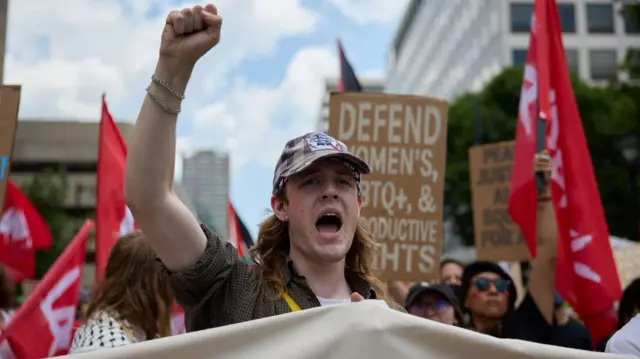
239,235
348,81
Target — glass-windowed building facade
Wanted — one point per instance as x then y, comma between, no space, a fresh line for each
444,48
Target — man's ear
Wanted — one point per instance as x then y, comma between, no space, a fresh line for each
279,208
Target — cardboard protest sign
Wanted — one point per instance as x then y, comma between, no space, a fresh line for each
403,138
9,104
497,238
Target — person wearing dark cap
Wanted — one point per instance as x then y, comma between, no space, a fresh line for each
488,294
434,302
450,274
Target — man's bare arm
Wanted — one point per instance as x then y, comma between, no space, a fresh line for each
173,231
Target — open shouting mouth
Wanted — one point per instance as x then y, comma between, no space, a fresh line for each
329,223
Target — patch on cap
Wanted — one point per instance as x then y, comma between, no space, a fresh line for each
319,141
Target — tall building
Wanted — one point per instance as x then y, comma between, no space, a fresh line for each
4,12
205,178
444,48
71,147
331,85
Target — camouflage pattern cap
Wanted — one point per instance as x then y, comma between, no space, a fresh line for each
301,152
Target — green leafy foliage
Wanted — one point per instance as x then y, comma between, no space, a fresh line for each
607,113
47,191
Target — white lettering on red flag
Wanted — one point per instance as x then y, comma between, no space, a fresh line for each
14,227
127,225
61,318
42,326
528,99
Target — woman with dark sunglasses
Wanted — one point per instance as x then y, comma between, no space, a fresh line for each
488,294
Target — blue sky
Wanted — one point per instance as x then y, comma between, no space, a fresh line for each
258,88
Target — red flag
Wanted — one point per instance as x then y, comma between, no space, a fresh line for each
42,327
177,320
523,193
234,232
348,81
22,231
586,274
113,218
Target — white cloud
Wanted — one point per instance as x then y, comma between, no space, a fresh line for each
87,47
254,122
66,56
371,11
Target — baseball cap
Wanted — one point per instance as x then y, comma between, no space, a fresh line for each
419,289
301,152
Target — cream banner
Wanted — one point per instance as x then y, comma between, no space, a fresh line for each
367,329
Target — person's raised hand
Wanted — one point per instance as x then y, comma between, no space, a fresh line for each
546,225
356,297
542,164
189,34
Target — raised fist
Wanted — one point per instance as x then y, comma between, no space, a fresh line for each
190,33
542,164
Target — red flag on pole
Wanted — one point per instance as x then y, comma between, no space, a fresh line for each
348,81
22,231
177,320
586,275
113,218
42,327
234,232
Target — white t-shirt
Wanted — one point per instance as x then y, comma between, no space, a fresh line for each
626,341
326,301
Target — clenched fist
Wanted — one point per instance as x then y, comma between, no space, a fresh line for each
190,33
542,164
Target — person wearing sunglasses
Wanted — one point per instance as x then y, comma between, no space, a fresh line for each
488,294
434,302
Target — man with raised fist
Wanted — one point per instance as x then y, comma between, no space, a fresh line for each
312,251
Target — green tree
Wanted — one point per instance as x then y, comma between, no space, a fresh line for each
631,62
47,191
607,113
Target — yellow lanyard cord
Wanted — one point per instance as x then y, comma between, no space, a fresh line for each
292,303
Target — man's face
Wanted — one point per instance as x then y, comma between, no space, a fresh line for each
451,273
488,296
322,210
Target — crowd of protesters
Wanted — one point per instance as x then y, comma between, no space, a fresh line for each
311,251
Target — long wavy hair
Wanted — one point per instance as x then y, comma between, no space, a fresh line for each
8,300
272,249
134,289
